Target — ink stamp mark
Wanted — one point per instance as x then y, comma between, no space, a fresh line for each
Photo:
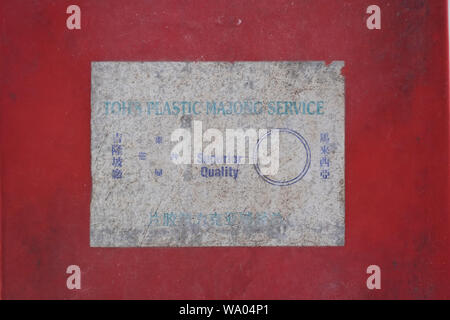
300,175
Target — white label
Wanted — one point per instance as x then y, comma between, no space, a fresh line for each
217,154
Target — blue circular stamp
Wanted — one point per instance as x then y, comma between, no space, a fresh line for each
296,178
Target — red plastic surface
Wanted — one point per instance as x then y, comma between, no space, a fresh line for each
397,146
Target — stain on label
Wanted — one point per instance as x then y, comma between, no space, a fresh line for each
217,154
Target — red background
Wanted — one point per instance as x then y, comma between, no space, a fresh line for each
397,150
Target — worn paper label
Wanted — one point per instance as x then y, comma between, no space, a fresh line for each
217,154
